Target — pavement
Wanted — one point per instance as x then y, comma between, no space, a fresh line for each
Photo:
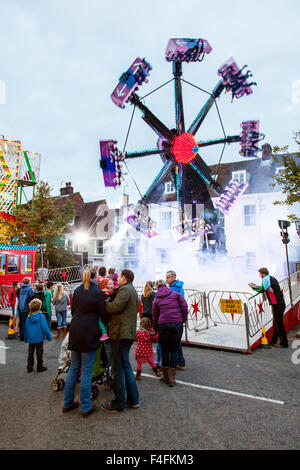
222,401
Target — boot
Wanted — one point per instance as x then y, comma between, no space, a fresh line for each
65,331
172,375
165,377
138,375
156,371
58,333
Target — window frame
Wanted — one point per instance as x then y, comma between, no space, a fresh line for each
251,215
172,189
239,172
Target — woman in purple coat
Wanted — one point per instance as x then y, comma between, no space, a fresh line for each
169,312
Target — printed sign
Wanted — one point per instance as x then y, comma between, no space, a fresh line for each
231,306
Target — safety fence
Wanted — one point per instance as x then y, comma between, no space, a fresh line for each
220,319
68,274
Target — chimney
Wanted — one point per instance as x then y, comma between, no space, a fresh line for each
266,152
68,189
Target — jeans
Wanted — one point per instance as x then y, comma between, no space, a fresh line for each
124,384
169,336
158,354
48,319
38,347
85,362
61,318
181,360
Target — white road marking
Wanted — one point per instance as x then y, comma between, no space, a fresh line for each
221,390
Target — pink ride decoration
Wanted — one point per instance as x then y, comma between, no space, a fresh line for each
130,80
187,50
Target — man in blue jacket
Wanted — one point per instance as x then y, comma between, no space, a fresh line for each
176,286
26,295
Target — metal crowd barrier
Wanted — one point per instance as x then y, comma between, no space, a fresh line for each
207,324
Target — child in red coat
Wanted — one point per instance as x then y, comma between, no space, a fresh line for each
144,351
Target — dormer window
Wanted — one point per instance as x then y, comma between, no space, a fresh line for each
239,176
169,187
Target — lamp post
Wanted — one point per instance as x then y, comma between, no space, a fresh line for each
41,241
284,224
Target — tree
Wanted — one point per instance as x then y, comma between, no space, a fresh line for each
289,178
42,217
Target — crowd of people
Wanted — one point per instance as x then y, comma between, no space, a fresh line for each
105,309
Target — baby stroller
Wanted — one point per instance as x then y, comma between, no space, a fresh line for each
101,371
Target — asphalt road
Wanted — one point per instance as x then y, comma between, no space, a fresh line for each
227,401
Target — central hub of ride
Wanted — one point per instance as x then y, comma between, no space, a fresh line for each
184,147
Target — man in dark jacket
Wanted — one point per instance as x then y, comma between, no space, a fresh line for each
26,295
274,295
122,333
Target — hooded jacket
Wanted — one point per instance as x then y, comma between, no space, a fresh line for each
36,328
168,307
177,286
26,294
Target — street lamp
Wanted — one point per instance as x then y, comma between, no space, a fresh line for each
81,240
284,224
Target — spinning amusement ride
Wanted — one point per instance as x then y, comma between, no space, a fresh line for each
178,147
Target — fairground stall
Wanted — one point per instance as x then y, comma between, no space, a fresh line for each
17,262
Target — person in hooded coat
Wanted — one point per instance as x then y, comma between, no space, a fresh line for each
169,312
177,286
88,306
35,330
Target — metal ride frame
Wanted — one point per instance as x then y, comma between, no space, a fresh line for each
178,147
18,169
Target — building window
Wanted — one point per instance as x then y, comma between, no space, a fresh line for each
239,176
249,215
250,259
2,264
26,264
279,171
221,218
165,219
131,247
169,187
12,264
99,248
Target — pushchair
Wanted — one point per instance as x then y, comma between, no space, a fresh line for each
101,372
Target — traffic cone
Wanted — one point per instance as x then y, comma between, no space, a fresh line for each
11,332
264,342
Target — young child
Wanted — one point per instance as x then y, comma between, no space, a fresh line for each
35,329
144,351
46,307
107,288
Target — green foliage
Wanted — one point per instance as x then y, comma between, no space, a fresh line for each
289,178
43,218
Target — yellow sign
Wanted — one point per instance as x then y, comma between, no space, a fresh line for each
231,306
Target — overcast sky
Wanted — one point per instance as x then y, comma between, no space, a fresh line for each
61,59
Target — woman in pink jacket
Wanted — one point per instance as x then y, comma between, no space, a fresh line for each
169,312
